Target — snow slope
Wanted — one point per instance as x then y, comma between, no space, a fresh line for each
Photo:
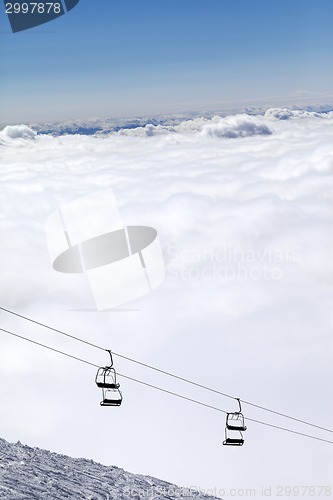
32,473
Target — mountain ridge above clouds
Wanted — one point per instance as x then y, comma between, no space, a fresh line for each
152,125
249,123
34,473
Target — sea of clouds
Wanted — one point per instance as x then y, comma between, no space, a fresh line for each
243,205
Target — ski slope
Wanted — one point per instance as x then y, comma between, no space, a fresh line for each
32,473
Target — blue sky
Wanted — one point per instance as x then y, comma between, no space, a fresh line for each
131,57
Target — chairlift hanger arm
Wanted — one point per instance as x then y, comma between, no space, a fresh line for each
111,359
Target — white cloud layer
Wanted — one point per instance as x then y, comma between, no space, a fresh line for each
243,206
230,127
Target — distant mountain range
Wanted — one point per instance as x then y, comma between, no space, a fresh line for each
106,125
101,126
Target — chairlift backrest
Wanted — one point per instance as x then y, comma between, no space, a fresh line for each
106,377
235,421
111,397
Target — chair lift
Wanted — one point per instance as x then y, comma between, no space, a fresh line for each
235,424
107,381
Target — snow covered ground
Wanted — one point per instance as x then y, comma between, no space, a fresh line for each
32,473
243,206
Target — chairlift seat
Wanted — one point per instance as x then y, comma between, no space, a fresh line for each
233,442
107,385
236,428
235,423
111,402
106,380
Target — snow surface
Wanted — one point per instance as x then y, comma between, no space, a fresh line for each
32,473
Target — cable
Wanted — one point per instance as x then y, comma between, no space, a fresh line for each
222,393
165,390
47,347
167,373
51,328
223,411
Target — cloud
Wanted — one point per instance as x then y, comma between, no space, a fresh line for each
286,114
245,221
17,132
229,127
235,126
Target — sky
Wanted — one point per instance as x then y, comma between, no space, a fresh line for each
107,58
243,210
